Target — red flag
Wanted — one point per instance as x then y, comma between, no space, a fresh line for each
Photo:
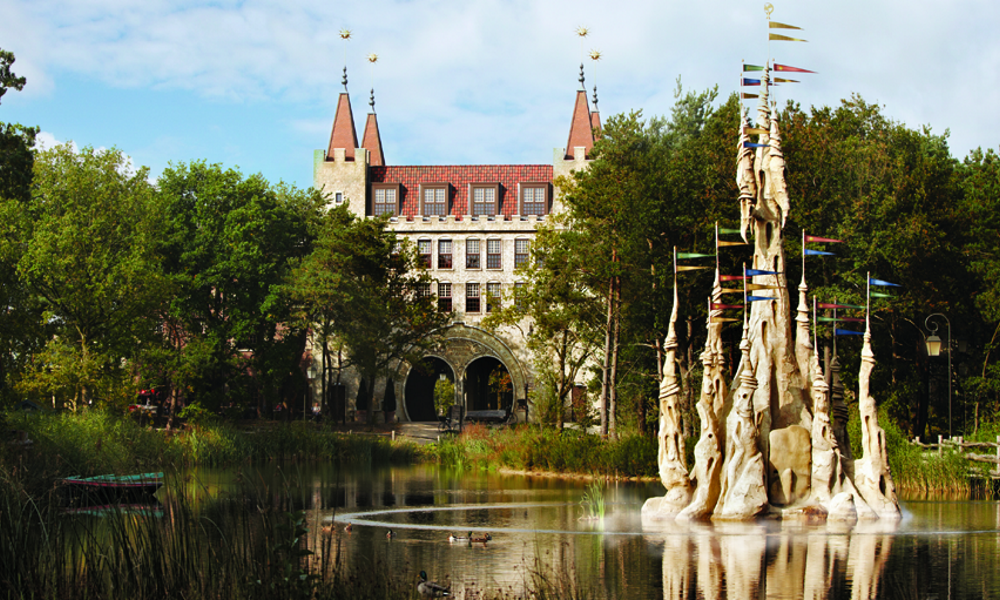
725,306
813,238
789,69
731,277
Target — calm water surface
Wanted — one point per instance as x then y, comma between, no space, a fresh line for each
941,549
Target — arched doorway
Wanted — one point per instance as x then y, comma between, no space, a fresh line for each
420,388
488,385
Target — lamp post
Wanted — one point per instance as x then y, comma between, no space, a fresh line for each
934,349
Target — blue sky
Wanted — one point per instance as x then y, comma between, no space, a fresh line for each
254,84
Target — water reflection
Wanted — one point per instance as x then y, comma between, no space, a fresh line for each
940,550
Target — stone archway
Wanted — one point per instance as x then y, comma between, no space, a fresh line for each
488,385
418,394
460,346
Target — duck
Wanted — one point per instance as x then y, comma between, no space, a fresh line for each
457,538
480,540
390,534
431,589
327,529
349,527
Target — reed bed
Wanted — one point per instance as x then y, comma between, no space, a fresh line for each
537,449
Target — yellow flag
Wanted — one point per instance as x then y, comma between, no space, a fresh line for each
783,38
777,25
725,319
725,243
757,130
691,268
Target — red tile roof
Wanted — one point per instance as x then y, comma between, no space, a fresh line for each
460,176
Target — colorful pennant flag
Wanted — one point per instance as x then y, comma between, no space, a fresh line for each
777,25
724,319
758,298
881,295
788,69
692,255
783,38
731,290
749,82
816,238
691,268
747,67
725,306
881,282
809,252
726,230
781,80
731,277
755,130
848,332
727,243
848,319
755,145
762,286
753,272
823,305
745,96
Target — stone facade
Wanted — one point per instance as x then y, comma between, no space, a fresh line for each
450,232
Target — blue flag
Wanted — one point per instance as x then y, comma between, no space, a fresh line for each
756,298
848,332
880,282
809,252
753,272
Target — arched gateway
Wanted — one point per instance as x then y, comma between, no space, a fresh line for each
483,367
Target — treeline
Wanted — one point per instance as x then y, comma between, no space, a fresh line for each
204,283
907,211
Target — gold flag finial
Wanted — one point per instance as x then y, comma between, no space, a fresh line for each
373,58
582,31
345,34
769,8
595,55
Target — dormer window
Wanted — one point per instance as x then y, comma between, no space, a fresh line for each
385,199
534,199
485,198
434,200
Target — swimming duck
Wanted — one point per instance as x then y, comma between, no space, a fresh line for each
390,534
349,527
457,538
481,539
431,589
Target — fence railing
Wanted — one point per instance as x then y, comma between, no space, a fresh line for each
967,450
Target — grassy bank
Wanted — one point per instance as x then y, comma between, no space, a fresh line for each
100,442
536,449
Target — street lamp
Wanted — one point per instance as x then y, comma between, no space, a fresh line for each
934,349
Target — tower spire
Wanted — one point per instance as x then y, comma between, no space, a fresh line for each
372,139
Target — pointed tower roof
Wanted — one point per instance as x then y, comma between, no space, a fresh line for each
595,117
372,140
343,134
581,133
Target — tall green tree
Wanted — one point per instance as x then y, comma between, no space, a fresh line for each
87,237
228,243
365,288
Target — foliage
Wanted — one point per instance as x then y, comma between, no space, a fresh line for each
444,395
228,243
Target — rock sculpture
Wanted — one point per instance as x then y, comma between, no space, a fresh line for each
777,445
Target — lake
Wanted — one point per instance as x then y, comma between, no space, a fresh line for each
539,529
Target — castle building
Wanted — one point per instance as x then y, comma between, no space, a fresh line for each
473,226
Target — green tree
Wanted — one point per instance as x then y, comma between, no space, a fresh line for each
363,285
87,237
228,243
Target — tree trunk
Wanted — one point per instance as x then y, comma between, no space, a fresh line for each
606,367
613,379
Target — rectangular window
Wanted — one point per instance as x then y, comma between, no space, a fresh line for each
444,254
534,200
519,291
520,252
338,198
444,297
492,296
484,200
384,200
472,297
434,201
424,252
493,254
423,289
472,254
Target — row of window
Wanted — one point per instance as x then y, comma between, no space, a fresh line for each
473,253
483,199
474,295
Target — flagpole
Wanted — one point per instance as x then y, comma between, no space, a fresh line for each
868,298
803,255
717,246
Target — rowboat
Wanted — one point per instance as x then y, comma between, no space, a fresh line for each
111,489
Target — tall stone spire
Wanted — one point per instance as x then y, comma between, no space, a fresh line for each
343,136
581,133
372,140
